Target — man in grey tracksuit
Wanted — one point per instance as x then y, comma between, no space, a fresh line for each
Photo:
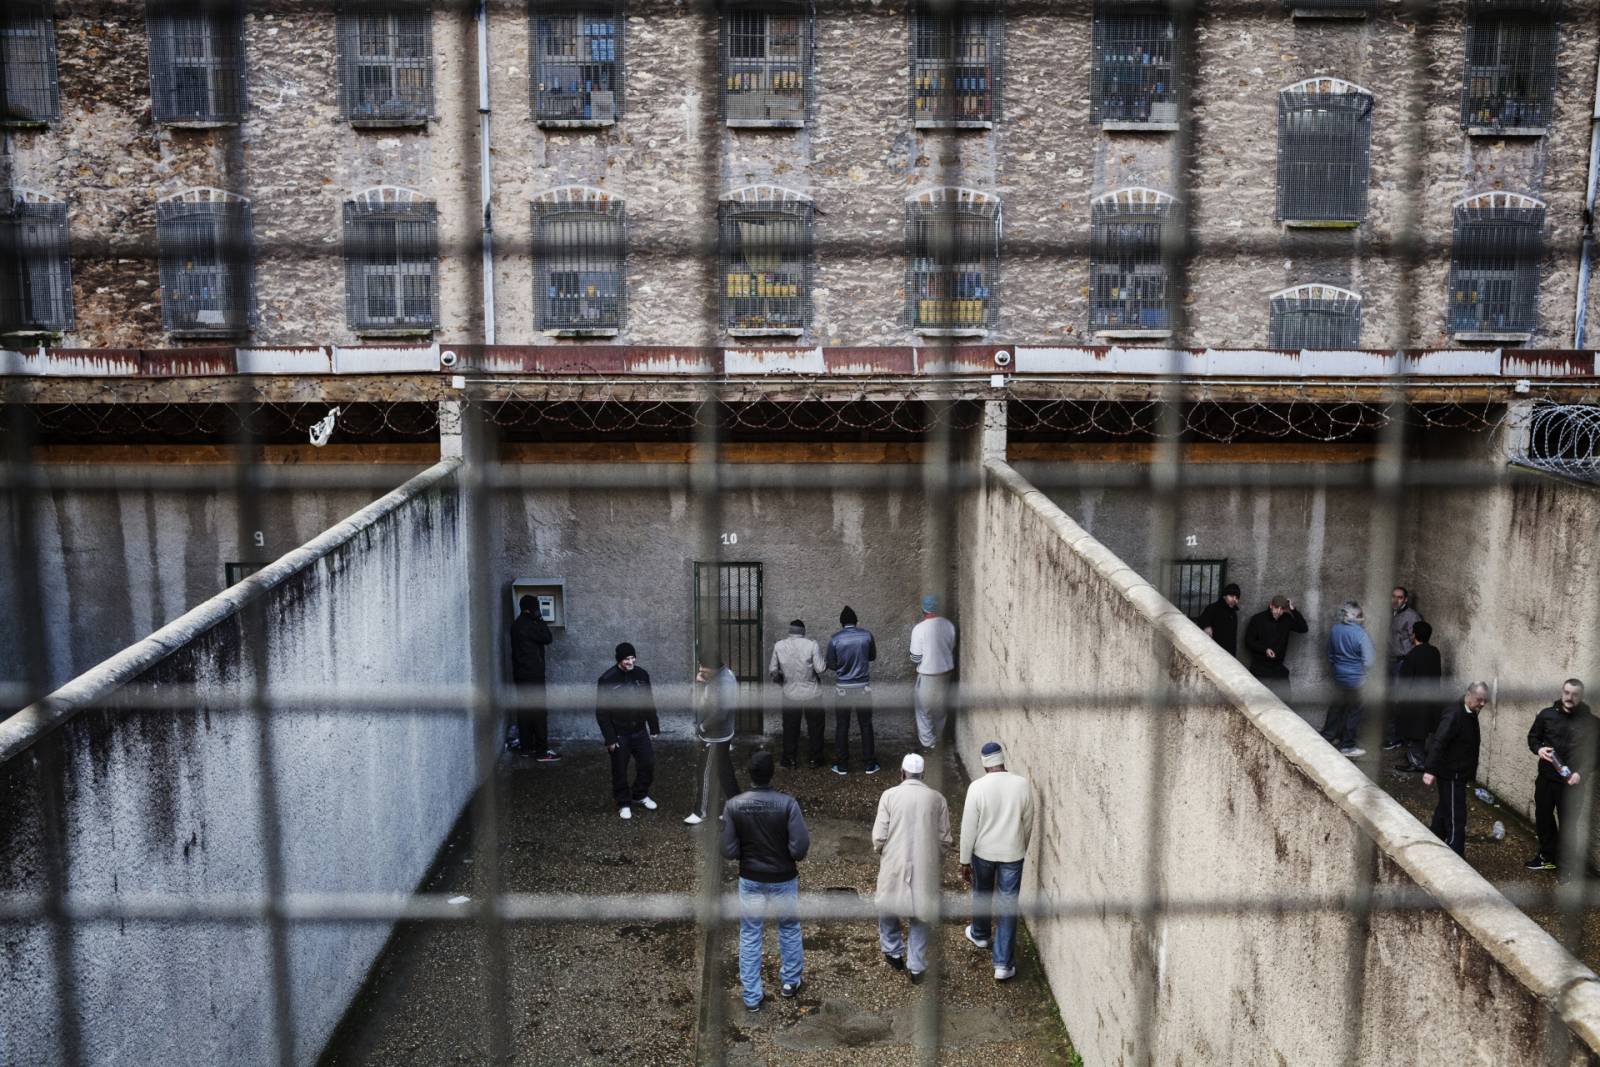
797,665
716,702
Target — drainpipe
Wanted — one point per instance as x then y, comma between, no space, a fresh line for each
485,181
1586,260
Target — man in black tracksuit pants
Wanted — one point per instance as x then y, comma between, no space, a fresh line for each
529,636
1563,735
1452,762
626,712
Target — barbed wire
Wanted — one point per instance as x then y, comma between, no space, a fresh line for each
1564,439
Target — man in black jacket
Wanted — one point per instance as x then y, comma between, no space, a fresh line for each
1266,636
1417,709
626,712
1220,621
1564,736
529,636
1452,762
764,830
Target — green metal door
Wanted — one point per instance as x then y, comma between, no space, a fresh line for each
727,610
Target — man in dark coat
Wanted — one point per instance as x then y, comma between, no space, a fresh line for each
626,711
1417,705
1220,621
1565,737
1452,761
529,636
1266,637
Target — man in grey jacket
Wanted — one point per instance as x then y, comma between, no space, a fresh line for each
797,665
715,703
1403,617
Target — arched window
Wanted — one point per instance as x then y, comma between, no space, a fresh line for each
579,261
391,261
766,239
766,62
207,268
1324,139
1496,245
952,261
575,76
1127,271
35,273
1315,316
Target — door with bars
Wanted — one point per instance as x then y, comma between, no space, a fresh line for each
727,610
1195,584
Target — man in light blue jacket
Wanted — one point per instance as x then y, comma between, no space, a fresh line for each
1350,654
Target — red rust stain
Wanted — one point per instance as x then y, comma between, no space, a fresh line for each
895,359
198,362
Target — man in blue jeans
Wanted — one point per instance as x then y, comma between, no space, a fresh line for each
763,829
996,825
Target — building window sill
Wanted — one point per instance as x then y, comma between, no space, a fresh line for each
765,331
1501,337
199,124
573,124
581,331
389,333
1121,126
951,331
954,124
1132,333
1321,224
1311,11
215,333
766,124
25,124
1507,131
408,122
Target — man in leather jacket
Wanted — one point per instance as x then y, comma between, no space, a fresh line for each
764,830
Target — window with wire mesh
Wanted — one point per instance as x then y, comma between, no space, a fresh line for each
1510,72
207,268
28,63
386,63
577,63
1135,70
35,272
580,259
391,266
952,265
956,64
1324,140
1494,267
766,64
1316,317
766,265
1128,275
196,61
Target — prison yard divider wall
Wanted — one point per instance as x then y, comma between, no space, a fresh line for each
1254,805
166,801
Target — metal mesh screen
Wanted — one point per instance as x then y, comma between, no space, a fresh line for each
196,61
28,63
766,64
1315,317
956,65
580,274
1494,269
1324,136
1127,266
1510,75
952,265
766,265
36,284
386,63
577,69
391,263
207,267
1134,80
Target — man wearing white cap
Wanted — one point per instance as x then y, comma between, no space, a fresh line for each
933,650
911,832
996,824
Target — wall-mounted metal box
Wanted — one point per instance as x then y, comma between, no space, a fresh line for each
552,594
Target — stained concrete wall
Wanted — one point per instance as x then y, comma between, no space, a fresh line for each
166,801
1252,805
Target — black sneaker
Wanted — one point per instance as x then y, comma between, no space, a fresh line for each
1407,767
792,989
788,764
1390,746
550,756
915,976
874,767
817,763
897,962
754,1008
1539,863
840,769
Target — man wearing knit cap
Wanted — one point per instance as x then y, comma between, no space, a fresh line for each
797,666
933,650
626,712
911,833
996,824
850,654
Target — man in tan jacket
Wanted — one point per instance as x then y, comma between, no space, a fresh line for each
911,832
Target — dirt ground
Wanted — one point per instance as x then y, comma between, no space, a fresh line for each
624,993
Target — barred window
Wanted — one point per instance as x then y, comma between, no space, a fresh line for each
1496,246
1324,138
577,52
956,65
952,261
580,260
386,63
1133,82
196,61
35,272
766,64
766,242
28,63
1510,72
1127,270
1316,317
391,262
207,268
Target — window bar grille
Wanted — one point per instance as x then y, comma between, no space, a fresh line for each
1127,270
577,68
1315,317
392,266
1494,266
952,265
35,269
28,64
386,63
1509,78
956,65
207,283
580,266
1324,142
1133,81
767,266
197,62
766,64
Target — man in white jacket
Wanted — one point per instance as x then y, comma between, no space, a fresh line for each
797,666
911,833
933,650
996,825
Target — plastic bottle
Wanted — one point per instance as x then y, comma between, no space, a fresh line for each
1484,795
1499,831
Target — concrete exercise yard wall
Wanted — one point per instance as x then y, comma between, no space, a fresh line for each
1253,804
165,802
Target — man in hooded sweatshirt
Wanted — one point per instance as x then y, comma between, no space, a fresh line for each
850,654
626,711
911,833
1350,655
529,636
1564,736
716,702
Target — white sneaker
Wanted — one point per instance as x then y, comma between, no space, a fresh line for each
980,942
624,813
1003,973
693,819
649,805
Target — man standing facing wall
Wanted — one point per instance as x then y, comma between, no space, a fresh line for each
850,654
1564,736
797,666
529,636
996,825
911,832
1452,762
933,650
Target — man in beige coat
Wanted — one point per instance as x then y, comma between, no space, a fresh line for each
911,832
